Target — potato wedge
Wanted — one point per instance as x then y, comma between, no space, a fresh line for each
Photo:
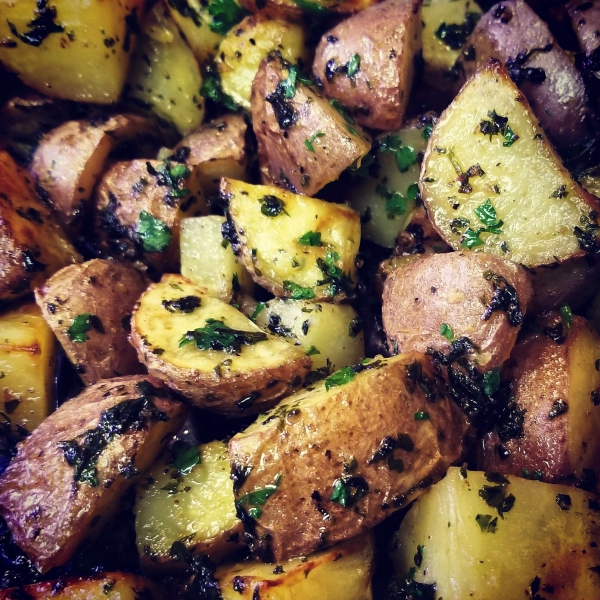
70,159
293,245
89,307
70,50
33,245
304,141
367,62
342,572
27,366
238,373
491,181
553,377
243,49
217,149
209,263
376,442
545,542
512,33
69,474
139,207
104,586
433,301
187,497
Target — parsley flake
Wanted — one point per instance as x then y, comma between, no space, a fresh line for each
487,523
215,335
225,14
311,238
297,292
77,332
446,331
154,234
341,377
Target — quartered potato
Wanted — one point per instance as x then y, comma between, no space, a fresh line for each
554,380
207,259
210,352
293,245
367,62
27,366
376,435
187,498
488,537
33,245
342,572
492,182
73,50
67,478
245,46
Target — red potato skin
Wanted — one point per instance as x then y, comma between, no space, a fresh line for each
451,289
386,36
585,18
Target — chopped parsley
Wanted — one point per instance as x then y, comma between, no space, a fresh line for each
347,491
446,331
342,110
186,458
454,35
225,14
495,496
287,87
566,315
421,415
341,377
491,381
215,335
312,350
308,142
353,66
311,238
297,292
405,155
333,276
272,206
172,177
498,125
486,213
154,234
187,304
257,310
78,330
396,204
212,90
259,497
487,523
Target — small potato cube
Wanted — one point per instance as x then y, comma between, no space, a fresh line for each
544,538
187,497
69,474
342,572
244,47
208,262
33,245
367,62
27,366
210,352
295,246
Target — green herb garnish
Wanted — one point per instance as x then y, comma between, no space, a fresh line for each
225,14
495,496
342,110
212,90
186,458
215,335
491,382
347,491
421,415
566,315
446,331
297,292
353,66
81,325
259,497
341,377
311,238
272,206
487,523
258,309
308,142
187,304
312,350
405,155
155,236
498,125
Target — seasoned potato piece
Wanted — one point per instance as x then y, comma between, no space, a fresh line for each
210,352
544,542
70,159
27,366
69,474
304,142
209,263
555,382
386,199
217,149
585,18
89,307
105,586
376,439
491,181
331,334
165,77
367,62
293,245
32,244
187,497
433,301
292,10
339,573
69,49
245,46
139,207
512,33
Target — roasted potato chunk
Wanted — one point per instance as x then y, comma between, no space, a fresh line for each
433,301
32,244
27,366
376,440
512,33
245,46
342,572
89,307
70,159
554,381
209,263
69,474
210,352
367,62
105,586
491,181
311,251
304,142
70,50
187,497
544,540
139,207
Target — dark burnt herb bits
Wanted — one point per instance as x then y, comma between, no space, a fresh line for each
496,497
276,326
504,298
272,206
30,262
355,327
454,35
406,588
81,325
498,125
418,558
186,304
185,10
560,192
215,335
40,27
563,501
204,585
285,113
559,407
487,523
519,73
154,234
171,176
